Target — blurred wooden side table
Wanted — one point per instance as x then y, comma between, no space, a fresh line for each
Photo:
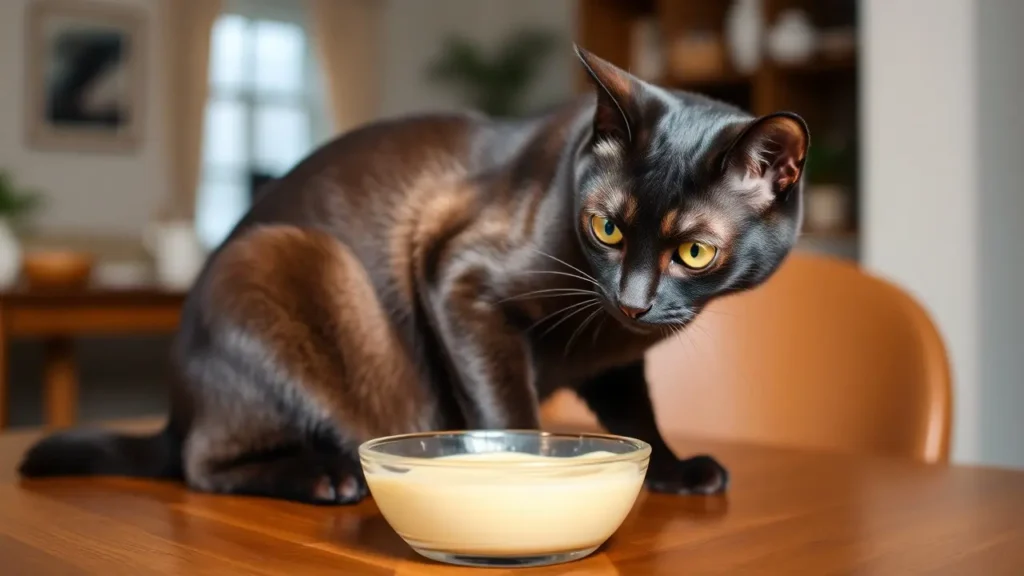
59,316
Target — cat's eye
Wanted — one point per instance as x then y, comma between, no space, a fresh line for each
696,255
606,230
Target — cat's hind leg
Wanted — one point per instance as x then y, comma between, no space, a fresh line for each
289,361
299,473
249,440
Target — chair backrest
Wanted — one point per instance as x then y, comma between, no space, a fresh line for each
822,356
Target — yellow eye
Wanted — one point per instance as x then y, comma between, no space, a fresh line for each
606,230
696,255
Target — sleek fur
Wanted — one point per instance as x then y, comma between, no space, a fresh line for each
441,272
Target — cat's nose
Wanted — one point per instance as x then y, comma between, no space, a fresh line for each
634,312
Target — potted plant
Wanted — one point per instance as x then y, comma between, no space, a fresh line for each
496,84
16,204
829,173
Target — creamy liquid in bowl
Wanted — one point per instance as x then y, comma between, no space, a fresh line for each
480,508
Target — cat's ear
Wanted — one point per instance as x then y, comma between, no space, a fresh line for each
615,94
770,153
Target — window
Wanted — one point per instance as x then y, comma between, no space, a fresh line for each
262,113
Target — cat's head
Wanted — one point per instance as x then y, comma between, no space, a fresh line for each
680,199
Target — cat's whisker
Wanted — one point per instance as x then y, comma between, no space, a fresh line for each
682,336
540,296
701,328
593,340
595,302
559,291
560,273
707,335
561,310
718,312
694,342
672,332
579,330
559,260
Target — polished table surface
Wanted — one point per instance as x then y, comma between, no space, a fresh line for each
788,512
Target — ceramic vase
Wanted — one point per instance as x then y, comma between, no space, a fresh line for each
10,255
647,56
826,208
177,253
792,38
744,34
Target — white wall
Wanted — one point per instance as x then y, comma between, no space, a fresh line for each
943,148
106,193
413,31
1001,175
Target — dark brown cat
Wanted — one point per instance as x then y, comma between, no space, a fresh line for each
451,271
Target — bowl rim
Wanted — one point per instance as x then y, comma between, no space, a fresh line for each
366,450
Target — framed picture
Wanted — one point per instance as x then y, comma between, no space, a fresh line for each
84,76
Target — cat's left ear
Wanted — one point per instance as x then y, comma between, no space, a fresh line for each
615,95
770,152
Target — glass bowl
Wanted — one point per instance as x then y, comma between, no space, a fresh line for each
504,498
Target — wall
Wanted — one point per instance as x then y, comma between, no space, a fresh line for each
920,209
413,31
1000,82
86,192
944,139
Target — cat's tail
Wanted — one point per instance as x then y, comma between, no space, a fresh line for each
105,453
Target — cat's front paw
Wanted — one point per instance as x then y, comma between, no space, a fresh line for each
346,489
698,475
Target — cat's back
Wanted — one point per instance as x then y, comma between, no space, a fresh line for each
370,169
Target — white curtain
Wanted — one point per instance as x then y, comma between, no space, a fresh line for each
186,26
345,33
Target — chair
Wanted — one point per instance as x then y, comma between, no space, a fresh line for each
822,356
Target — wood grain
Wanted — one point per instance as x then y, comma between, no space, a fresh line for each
60,396
24,296
93,320
788,512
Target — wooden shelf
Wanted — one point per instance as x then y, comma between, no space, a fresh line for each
731,78
830,234
820,65
727,79
841,243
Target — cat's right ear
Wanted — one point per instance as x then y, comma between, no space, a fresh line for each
615,89
769,154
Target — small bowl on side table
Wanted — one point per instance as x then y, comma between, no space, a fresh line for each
57,269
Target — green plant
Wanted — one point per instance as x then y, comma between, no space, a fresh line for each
494,84
16,203
829,163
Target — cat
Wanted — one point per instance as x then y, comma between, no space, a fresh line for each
451,271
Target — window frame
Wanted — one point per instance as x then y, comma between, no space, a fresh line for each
309,100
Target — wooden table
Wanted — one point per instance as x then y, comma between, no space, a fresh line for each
788,512
58,317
